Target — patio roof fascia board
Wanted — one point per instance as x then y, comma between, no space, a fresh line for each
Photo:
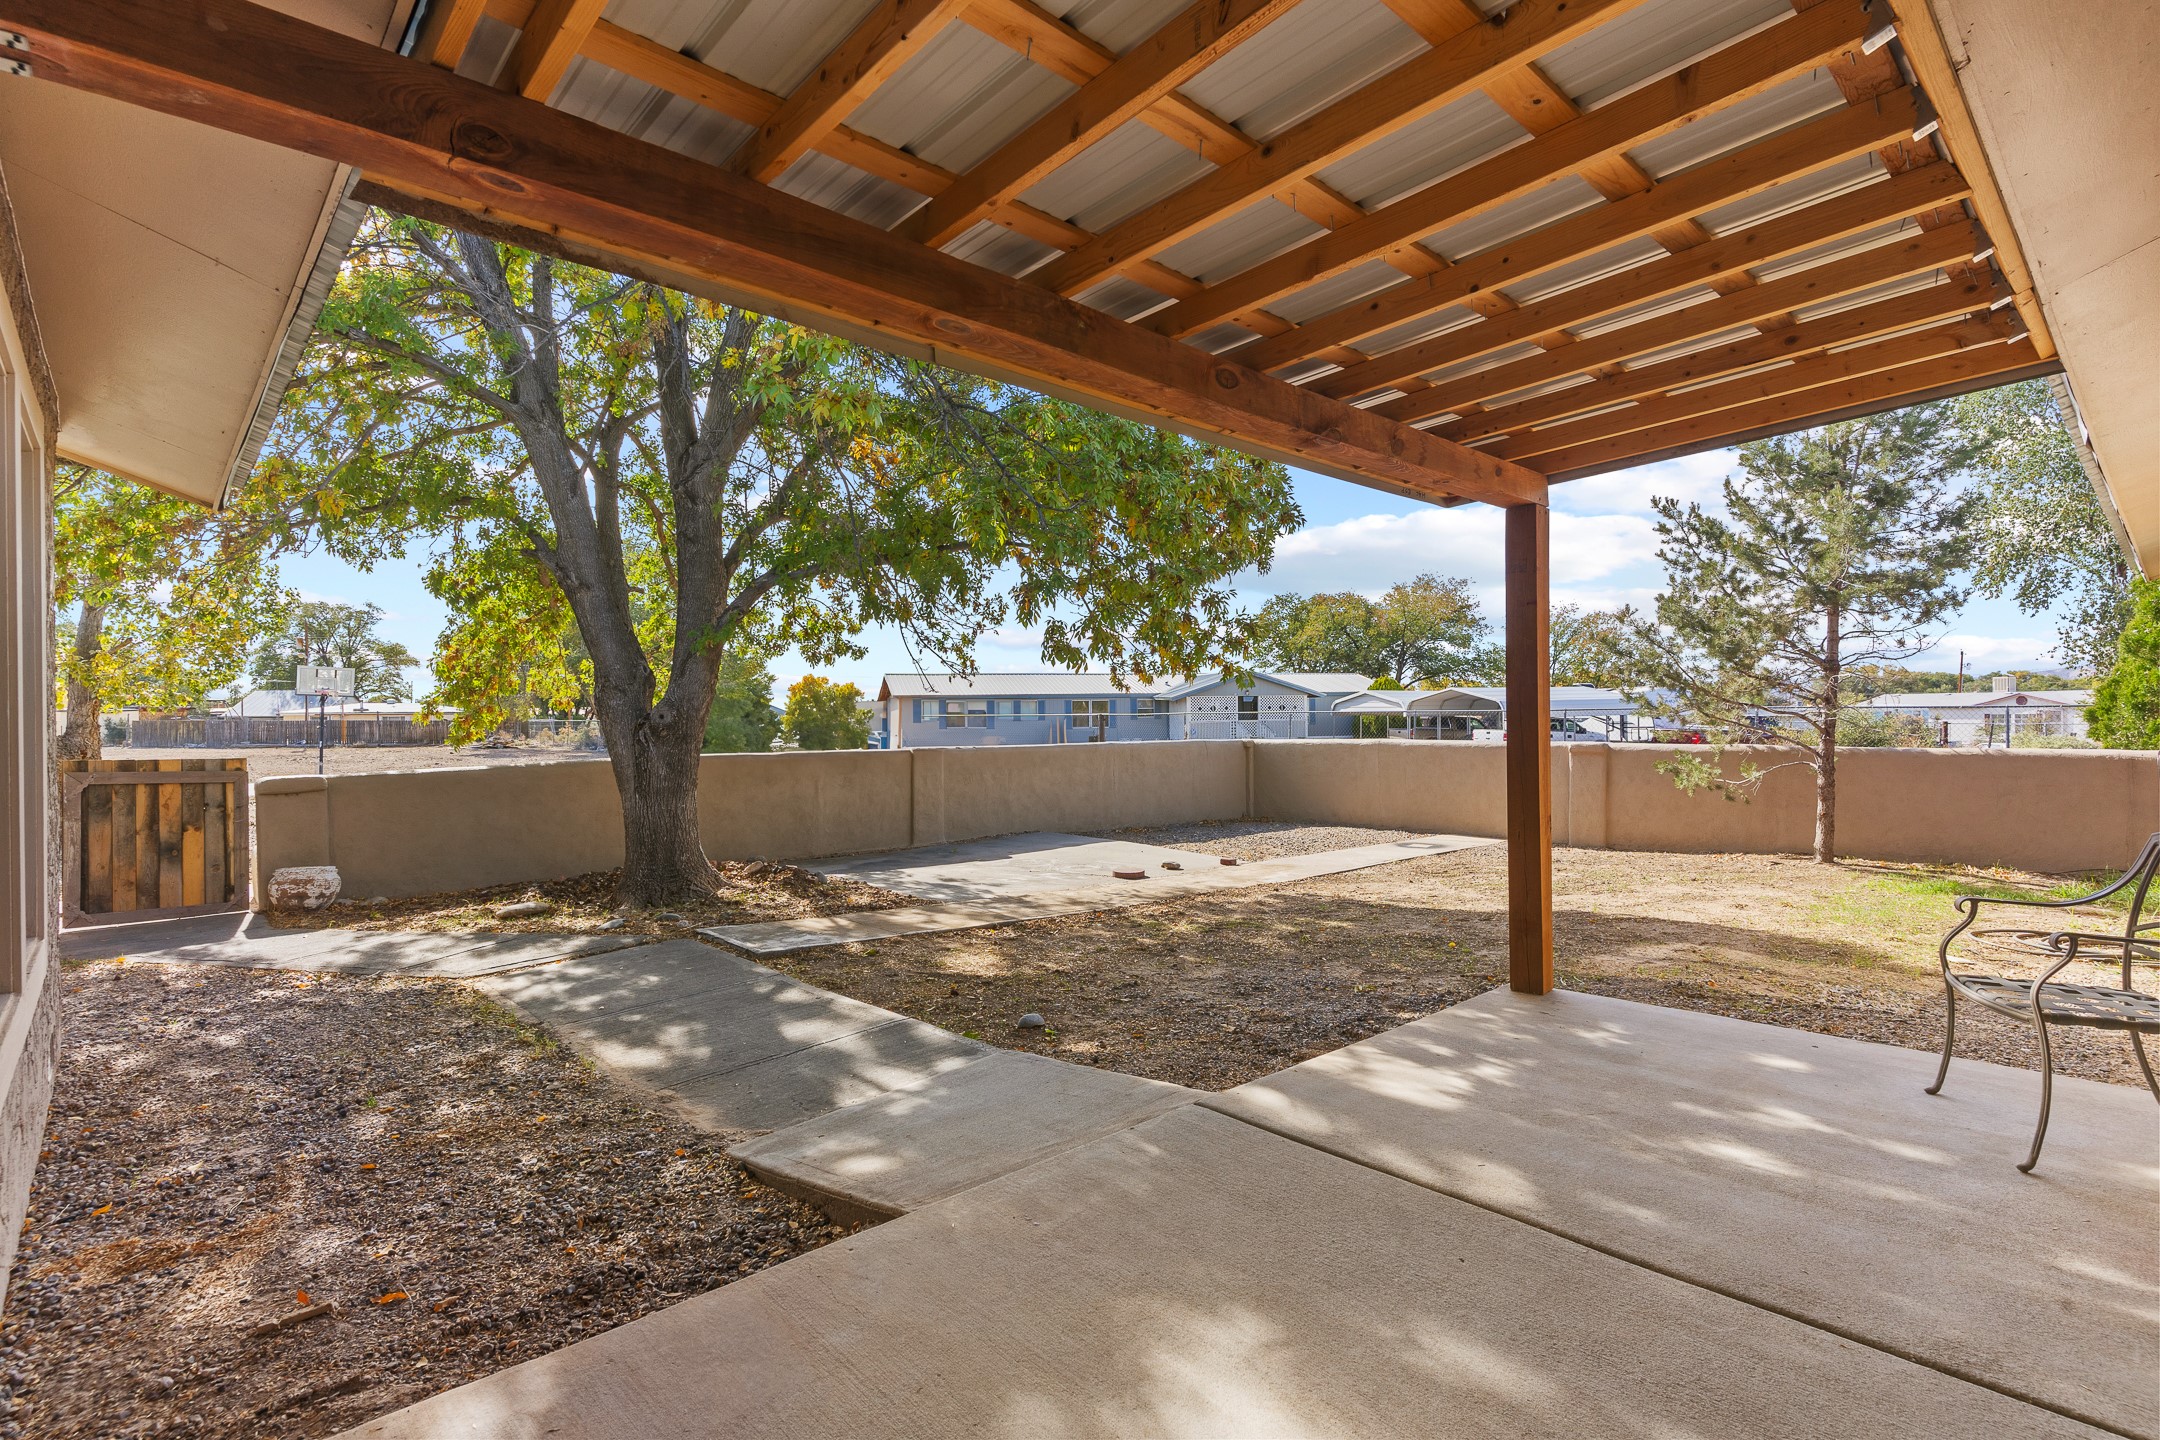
1981,368
1823,141
1401,97
1722,78
1908,255
257,72
1897,198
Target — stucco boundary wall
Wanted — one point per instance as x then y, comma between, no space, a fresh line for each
429,831
2046,810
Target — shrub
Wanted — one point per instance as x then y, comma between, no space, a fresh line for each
1863,728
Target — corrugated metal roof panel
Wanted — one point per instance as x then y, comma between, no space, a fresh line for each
1808,259
1127,299
1721,132
994,247
1305,61
1118,25
1650,41
1690,347
1120,175
837,185
1795,194
1556,200
960,98
1461,134
1015,684
1454,317
777,44
1610,261
1649,309
1872,295
1347,288
1258,232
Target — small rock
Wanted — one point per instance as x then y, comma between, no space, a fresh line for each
1227,860
523,909
1130,874
1033,1021
614,924
671,917
304,887
378,899
1172,865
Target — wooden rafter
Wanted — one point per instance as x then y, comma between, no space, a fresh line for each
1406,94
1972,369
1825,368
1854,130
446,30
1724,255
550,40
406,124
887,38
1921,307
1133,82
1790,48
1914,253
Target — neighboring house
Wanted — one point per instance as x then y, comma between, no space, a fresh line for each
1061,707
1996,716
271,703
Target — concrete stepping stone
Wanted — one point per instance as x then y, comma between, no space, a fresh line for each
731,1044
901,1151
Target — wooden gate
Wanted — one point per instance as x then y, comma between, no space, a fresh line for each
149,838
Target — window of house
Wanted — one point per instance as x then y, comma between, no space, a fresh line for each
962,713
1248,707
1144,705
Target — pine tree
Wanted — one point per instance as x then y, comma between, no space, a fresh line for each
1842,546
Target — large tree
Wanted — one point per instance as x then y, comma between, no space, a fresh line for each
824,716
2125,710
1426,631
684,477
1838,547
326,632
159,598
2044,540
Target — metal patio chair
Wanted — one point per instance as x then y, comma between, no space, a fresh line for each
2045,1001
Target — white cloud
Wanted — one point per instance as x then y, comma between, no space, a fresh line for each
1991,652
1371,552
1693,477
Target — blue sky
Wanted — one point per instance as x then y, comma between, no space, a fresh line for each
1604,554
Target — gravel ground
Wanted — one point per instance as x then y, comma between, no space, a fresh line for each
757,891
1218,990
1257,839
265,760
229,1149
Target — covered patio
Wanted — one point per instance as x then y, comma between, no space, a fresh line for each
1450,250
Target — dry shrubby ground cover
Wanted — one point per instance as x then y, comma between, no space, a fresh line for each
232,1149
1218,990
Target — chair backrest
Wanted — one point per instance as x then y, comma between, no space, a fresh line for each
2139,877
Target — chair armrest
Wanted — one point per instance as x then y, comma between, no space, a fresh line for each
2139,952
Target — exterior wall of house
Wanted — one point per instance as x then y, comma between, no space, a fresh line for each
29,829
1025,720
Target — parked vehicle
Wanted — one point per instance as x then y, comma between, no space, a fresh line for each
1565,730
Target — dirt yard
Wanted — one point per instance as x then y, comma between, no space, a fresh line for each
757,891
280,1205
1215,991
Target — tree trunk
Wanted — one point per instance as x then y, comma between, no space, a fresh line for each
1833,675
1826,801
655,757
82,739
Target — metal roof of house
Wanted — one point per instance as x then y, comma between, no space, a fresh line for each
1978,699
1010,685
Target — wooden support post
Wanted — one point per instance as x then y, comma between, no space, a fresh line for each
1529,750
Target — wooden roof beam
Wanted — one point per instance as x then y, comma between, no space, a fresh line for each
409,125
887,38
1579,439
1855,130
1404,95
1979,368
1155,67
1920,307
1911,254
1724,255
1792,47
446,30
551,39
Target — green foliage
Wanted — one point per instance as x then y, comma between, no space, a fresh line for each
824,716
684,480
1885,729
164,596
323,632
1428,631
1589,647
2125,710
2044,540
1839,548
742,715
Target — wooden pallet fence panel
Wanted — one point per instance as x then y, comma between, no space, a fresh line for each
217,839
175,843
191,837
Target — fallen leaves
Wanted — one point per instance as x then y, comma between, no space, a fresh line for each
392,1297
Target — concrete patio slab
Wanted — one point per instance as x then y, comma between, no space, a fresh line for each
250,942
1033,877
1807,1173
1196,1276
902,1151
733,1045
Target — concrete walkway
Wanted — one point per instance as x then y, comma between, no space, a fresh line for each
1566,1216
1034,877
251,942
